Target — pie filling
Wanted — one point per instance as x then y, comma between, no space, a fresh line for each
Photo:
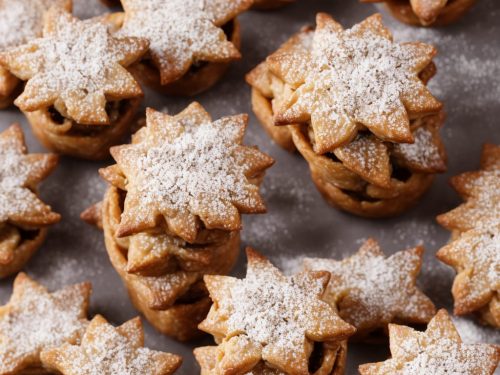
116,110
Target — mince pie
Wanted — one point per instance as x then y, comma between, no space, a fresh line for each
172,213
79,97
438,350
34,320
24,218
192,42
356,106
268,323
371,290
22,21
106,350
474,251
427,12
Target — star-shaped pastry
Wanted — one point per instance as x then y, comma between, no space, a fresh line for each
358,78
475,251
270,317
185,169
438,350
182,32
20,174
371,290
77,66
481,192
34,320
107,350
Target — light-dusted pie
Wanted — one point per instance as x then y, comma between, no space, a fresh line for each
371,290
438,350
79,97
24,218
474,250
34,320
427,12
192,42
268,321
106,350
172,213
356,106
22,21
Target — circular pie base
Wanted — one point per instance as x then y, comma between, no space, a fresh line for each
194,81
262,108
402,10
23,254
92,146
333,180
181,319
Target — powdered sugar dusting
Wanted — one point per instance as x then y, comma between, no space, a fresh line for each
472,333
201,163
382,287
446,357
79,57
108,352
423,151
36,322
15,170
272,309
363,75
178,30
22,20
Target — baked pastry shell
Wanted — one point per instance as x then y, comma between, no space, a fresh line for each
91,144
333,180
180,320
195,81
23,253
402,11
333,361
262,107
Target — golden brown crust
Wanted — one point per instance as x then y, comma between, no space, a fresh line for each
120,349
22,253
344,189
332,361
262,107
437,350
88,143
178,319
195,81
267,318
419,13
474,250
9,88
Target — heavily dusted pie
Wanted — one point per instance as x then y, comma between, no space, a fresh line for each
79,97
105,349
371,290
192,42
270,4
427,12
172,213
22,21
438,350
268,321
24,218
356,106
474,251
34,320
